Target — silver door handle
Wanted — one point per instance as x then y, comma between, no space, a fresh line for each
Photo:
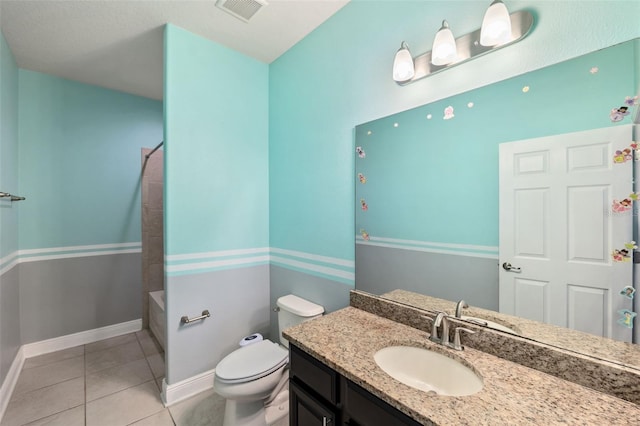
507,267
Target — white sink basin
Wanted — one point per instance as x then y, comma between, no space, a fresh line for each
487,323
428,371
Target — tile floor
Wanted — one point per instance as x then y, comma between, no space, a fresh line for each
113,382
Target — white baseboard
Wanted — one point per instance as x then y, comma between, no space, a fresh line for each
186,388
81,338
10,381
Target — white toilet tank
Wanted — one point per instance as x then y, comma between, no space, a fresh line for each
293,311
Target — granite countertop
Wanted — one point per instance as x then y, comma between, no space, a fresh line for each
625,353
346,341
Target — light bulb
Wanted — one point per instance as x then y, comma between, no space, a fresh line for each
496,25
444,49
403,67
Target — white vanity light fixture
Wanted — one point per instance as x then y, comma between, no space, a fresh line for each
496,25
444,49
494,34
403,67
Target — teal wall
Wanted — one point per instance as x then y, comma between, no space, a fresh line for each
80,165
436,180
8,150
74,151
216,200
216,133
340,76
80,161
9,275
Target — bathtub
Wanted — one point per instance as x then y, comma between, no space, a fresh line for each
156,315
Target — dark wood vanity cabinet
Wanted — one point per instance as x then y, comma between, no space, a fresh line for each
320,396
306,409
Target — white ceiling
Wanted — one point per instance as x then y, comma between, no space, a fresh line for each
119,44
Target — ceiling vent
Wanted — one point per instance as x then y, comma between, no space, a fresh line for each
241,9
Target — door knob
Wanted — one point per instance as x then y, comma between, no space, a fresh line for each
507,267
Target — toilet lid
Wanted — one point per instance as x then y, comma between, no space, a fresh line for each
252,362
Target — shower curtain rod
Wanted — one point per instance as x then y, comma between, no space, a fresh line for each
154,150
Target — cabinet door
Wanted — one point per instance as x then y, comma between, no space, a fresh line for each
361,408
314,374
306,410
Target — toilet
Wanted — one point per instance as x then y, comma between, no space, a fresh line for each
254,380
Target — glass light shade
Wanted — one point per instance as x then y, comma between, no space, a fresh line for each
444,49
496,25
403,67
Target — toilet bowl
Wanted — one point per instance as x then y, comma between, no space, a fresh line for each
248,378
254,379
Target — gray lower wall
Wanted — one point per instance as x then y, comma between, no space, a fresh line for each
65,296
332,295
238,300
9,320
452,277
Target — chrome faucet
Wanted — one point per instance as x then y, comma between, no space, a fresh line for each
459,307
441,322
434,326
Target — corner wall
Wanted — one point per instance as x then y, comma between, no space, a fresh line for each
80,263
216,200
9,275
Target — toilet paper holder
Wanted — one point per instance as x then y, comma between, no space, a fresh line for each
186,320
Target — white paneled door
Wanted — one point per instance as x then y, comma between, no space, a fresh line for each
559,230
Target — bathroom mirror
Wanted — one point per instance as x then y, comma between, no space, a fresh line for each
427,196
